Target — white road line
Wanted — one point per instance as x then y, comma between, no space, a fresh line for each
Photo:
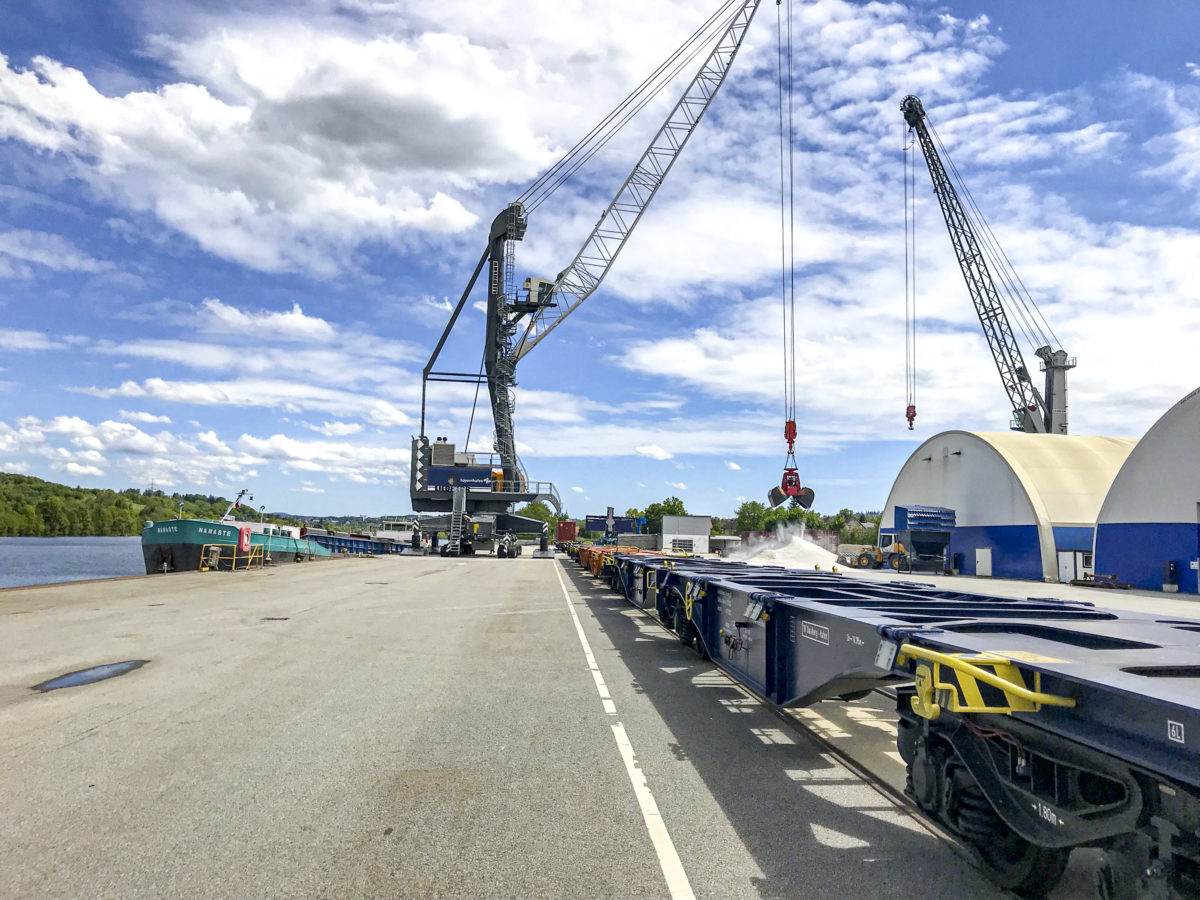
668,858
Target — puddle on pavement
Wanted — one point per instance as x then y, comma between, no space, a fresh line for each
90,676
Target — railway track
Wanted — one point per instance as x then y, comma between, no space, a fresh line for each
1120,837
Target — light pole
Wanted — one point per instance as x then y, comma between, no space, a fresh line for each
262,511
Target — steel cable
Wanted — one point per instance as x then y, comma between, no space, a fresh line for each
783,234
615,129
791,213
910,270
630,106
1032,321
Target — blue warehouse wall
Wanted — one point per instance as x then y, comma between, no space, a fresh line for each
1135,552
1016,550
1073,537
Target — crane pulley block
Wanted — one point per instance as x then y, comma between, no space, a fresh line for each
791,482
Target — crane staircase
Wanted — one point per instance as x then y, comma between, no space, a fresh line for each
458,517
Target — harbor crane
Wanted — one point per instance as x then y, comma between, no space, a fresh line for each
1033,412
449,482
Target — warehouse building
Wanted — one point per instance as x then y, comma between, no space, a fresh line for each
1148,531
1025,505
689,533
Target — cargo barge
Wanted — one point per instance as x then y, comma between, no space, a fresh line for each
349,542
189,545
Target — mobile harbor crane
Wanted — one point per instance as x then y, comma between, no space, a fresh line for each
480,496
1034,412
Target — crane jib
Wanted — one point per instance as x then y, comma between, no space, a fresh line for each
1032,411
598,253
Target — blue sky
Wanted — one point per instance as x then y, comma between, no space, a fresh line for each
229,235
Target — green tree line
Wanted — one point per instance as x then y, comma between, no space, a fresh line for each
852,527
31,507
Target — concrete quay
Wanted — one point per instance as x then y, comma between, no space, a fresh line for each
417,727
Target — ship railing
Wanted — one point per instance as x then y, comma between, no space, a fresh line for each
215,556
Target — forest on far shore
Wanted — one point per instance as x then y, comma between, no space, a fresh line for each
31,507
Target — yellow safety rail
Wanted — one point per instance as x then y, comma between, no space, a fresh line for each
933,695
253,558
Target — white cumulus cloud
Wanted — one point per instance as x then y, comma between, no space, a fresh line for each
337,429
653,451
148,418
18,339
293,323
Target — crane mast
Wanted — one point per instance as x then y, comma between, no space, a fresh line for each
1032,412
546,303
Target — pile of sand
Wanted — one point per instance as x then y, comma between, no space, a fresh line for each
790,549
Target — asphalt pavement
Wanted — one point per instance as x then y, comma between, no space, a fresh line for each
415,727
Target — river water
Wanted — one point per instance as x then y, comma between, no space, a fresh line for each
30,560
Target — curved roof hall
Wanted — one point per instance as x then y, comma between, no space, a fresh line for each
1067,476
1160,481
995,478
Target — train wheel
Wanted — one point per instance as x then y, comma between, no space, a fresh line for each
1010,861
1025,869
682,627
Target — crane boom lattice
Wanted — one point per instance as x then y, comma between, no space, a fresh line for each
576,283
1031,412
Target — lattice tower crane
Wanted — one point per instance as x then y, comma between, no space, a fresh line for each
1032,411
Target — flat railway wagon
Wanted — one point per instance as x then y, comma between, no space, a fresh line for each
1028,727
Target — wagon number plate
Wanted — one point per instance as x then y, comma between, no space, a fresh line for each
885,656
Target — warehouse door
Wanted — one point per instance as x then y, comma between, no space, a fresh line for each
1066,566
983,562
1196,562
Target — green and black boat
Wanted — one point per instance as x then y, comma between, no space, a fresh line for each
188,545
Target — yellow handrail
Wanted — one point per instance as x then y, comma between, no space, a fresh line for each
934,695
253,558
